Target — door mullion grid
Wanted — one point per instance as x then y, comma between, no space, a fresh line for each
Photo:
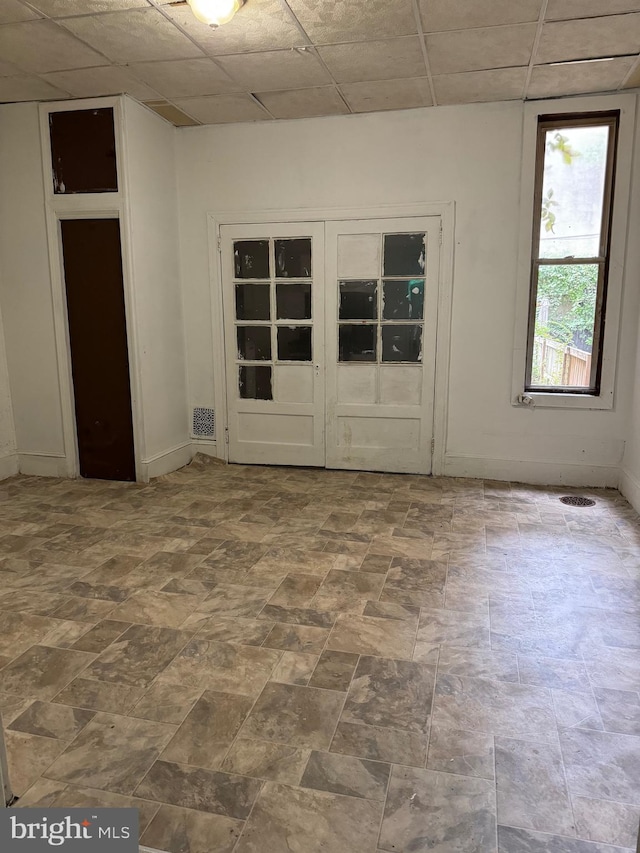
272,305
379,321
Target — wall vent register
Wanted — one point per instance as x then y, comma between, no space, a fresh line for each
204,423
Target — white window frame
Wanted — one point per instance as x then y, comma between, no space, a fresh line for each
626,104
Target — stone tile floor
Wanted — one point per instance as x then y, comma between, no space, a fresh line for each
271,660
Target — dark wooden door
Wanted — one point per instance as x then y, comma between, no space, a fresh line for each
98,339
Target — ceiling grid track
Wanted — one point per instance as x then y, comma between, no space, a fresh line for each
534,49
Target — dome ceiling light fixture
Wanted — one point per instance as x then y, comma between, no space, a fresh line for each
215,12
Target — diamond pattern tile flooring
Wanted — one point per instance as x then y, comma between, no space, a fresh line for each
277,659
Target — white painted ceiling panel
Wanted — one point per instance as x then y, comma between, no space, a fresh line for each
590,37
387,95
94,82
304,103
26,88
375,60
477,86
221,109
566,9
136,35
476,50
12,11
633,80
549,81
276,69
62,8
259,25
8,70
438,15
41,46
354,20
183,77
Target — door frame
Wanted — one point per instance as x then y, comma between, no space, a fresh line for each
112,205
445,210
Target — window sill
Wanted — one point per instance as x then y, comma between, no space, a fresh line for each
542,400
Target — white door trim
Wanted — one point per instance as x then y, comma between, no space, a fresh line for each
444,209
114,205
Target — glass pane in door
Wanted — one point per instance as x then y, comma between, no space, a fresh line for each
404,254
293,258
251,258
254,343
294,343
253,302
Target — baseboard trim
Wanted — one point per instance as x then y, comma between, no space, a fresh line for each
167,461
8,465
209,448
630,488
43,465
535,472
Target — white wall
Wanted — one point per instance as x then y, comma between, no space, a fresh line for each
157,321
8,457
630,473
25,294
468,154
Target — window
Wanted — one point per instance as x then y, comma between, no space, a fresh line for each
573,202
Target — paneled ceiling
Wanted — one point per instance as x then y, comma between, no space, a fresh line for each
281,59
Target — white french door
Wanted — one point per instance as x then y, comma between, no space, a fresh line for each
330,339
272,278
381,320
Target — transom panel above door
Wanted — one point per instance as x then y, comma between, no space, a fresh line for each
274,342
381,321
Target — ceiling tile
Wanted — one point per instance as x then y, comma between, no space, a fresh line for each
258,25
95,82
12,11
387,95
8,70
304,103
28,89
275,69
634,80
185,77
499,84
137,35
549,81
566,9
375,60
42,46
221,109
589,37
475,50
61,8
355,20
171,113
438,15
